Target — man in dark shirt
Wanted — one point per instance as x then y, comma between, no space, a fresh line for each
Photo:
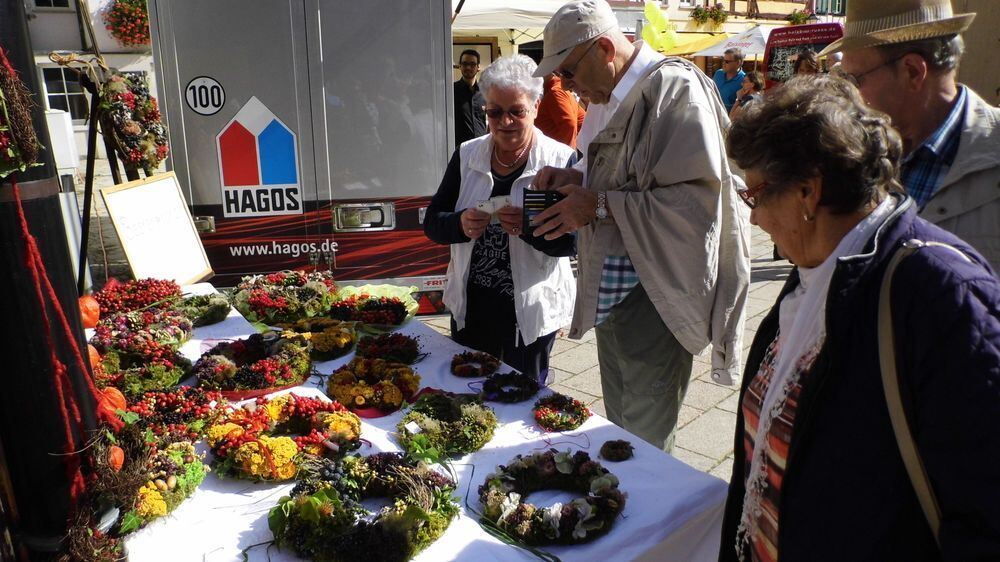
470,115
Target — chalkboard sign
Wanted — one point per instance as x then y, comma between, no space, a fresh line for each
156,230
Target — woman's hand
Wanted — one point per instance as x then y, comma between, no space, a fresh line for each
474,222
511,219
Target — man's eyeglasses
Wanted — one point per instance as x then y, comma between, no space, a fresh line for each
469,64
857,78
515,112
749,195
569,74
724,61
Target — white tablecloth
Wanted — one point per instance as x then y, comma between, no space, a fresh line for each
673,511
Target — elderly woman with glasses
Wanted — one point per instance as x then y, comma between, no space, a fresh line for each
818,473
508,292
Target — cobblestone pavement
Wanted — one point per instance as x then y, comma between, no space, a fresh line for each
708,415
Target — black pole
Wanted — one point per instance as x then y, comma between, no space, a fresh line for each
88,186
36,490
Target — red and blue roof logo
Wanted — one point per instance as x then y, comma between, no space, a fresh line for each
258,164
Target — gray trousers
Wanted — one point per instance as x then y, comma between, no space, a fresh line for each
644,370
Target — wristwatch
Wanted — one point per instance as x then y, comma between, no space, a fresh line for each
602,205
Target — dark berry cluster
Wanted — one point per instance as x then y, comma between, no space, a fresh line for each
391,347
133,295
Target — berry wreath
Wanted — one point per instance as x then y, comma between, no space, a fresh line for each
253,442
245,367
558,412
581,520
474,364
392,346
323,519
509,387
454,425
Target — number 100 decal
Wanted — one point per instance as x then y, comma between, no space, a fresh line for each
204,95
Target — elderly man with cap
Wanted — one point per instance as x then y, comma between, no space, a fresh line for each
903,56
663,242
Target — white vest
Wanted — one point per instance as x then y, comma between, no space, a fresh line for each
544,287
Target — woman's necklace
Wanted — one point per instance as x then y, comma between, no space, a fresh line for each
517,158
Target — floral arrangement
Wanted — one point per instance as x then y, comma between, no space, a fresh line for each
394,347
558,412
184,411
799,17
19,144
285,296
377,305
137,130
134,295
139,349
323,519
175,471
581,520
253,442
452,425
617,450
328,338
509,387
474,364
260,362
203,310
716,13
128,22
373,383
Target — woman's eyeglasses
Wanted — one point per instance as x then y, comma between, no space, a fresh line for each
515,112
749,195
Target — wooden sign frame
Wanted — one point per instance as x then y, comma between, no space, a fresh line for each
126,221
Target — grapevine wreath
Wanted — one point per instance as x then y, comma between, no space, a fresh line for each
617,450
474,364
285,296
203,310
328,338
323,519
558,412
392,346
253,442
454,425
246,368
509,387
581,520
373,383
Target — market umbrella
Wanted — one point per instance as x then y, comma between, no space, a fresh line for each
688,43
751,42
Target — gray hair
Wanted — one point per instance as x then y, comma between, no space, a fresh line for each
513,71
941,53
736,52
818,126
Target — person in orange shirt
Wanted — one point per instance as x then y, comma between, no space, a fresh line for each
560,115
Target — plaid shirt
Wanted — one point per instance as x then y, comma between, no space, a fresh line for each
618,278
925,167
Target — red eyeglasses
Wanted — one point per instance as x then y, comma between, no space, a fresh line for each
749,195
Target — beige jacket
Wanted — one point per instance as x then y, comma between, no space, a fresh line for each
675,213
968,201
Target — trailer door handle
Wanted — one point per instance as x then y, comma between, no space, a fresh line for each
360,217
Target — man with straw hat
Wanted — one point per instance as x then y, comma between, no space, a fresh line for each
662,239
903,56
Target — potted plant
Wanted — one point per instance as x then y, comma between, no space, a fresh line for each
128,22
799,18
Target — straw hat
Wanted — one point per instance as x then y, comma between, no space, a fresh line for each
884,22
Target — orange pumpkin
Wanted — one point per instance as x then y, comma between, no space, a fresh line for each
95,357
90,311
108,403
116,457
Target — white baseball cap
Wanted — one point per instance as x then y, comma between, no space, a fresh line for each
574,23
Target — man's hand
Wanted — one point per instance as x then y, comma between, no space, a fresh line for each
511,219
578,209
474,222
549,178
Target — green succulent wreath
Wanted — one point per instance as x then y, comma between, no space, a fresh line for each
450,425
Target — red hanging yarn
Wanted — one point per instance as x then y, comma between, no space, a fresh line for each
69,409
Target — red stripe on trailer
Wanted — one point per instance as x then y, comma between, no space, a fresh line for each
238,152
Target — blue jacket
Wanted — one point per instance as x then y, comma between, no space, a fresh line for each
846,494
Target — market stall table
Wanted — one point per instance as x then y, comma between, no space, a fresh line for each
673,511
